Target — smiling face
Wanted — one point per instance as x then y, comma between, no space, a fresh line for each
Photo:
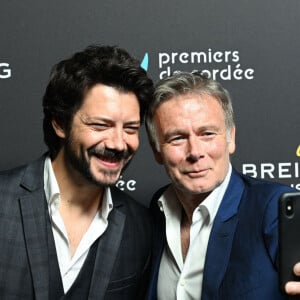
195,144
103,136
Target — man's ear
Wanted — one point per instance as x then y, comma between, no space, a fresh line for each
232,141
59,129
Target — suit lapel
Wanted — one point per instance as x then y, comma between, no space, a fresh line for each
108,248
159,235
221,238
32,205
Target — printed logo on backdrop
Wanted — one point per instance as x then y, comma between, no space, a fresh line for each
123,185
216,64
5,70
145,62
286,172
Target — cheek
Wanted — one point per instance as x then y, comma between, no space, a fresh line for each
86,138
217,149
133,142
172,155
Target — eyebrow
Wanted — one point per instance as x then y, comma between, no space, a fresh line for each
175,132
88,119
172,133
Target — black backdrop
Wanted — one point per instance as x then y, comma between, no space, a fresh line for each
252,47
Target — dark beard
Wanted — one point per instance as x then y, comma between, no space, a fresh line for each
82,165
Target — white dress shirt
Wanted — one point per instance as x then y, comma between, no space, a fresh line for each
178,279
70,266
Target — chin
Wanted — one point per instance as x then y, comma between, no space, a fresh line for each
194,190
105,183
108,179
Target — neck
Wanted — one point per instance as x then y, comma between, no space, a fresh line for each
190,203
75,190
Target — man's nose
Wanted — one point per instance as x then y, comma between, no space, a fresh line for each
195,148
116,140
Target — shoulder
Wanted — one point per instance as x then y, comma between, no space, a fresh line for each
19,170
129,205
262,186
121,197
29,175
12,176
257,185
12,172
157,195
261,195
137,216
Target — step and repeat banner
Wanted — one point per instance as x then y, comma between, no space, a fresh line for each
252,47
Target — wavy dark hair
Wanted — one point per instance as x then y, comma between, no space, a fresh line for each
72,78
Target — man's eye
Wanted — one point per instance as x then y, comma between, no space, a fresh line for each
132,129
208,134
176,139
99,126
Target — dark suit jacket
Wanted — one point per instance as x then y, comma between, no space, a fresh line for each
122,260
241,254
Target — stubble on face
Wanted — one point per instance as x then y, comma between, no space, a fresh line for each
80,161
103,136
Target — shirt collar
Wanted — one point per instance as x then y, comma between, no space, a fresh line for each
170,205
214,199
50,184
107,204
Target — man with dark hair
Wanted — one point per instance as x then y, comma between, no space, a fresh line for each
65,231
215,229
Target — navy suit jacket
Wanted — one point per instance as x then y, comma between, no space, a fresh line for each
241,255
123,255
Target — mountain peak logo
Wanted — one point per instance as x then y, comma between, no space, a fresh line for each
145,62
298,151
